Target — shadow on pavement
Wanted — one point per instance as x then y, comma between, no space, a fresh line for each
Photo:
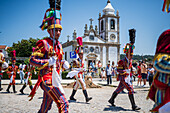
22,94
5,92
40,97
72,101
116,108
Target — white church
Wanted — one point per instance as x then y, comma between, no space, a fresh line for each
101,42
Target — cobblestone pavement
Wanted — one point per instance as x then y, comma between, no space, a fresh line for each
18,103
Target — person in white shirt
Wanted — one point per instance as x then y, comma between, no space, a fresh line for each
109,74
21,67
103,73
150,73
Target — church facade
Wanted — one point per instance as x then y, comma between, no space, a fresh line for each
101,42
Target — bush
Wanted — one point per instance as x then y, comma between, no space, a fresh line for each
5,76
64,74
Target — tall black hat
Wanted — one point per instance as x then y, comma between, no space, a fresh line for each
132,35
52,4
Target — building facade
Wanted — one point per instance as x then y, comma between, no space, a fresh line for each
101,42
4,48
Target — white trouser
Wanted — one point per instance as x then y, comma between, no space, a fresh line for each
79,81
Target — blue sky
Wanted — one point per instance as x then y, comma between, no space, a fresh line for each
20,19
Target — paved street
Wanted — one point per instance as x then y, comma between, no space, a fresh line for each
17,103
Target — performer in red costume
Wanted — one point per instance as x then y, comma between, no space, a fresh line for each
48,58
123,69
29,69
160,88
12,70
78,65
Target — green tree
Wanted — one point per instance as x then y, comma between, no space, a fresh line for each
23,48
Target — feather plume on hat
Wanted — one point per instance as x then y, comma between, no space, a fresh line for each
79,48
13,58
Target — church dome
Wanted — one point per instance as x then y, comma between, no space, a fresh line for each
108,9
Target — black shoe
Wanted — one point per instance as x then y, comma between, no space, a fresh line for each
72,95
8,88
88,99
72,98
135,108
8,91
21,91
14,89
1,89
111,103
86,96
132,100
111,100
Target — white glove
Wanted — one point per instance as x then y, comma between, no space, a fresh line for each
12,72
18,72
35,72
52,60
66,65
28,73
4,65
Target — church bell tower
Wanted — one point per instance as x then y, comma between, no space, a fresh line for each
109,24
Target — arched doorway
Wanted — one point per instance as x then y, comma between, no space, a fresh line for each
91,57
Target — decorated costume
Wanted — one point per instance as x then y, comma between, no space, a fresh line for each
29,69
166,6
12,70
160,88
3,66
123,69
78,69
48,59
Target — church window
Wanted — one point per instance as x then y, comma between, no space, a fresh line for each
101,36
97,50
86,49
91,37
112,24
102,25
91,49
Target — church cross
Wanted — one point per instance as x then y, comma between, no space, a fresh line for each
91,20
68,37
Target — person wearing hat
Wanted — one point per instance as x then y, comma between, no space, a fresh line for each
160,89
123,69
3,66
78,64
12,70
48,57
